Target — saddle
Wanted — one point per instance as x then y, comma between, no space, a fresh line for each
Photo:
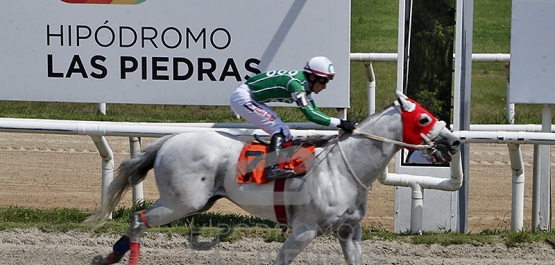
251,163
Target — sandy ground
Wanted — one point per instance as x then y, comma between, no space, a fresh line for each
49,171
35,247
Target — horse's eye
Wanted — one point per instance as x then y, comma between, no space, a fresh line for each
424,120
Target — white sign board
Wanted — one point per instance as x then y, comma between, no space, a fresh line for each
532,52
165,51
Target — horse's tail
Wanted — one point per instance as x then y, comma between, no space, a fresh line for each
129,173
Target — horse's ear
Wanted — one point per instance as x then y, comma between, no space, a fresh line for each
406,105
399,94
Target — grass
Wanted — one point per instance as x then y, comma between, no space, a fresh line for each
230,228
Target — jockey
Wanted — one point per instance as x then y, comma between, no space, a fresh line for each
285,86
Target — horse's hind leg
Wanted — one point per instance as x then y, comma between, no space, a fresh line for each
129,241
141,221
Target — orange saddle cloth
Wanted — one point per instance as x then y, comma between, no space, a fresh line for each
251,162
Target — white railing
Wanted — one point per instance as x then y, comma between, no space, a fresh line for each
99,130
512,135
368,58
416,183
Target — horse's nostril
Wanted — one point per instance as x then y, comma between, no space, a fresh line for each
455,146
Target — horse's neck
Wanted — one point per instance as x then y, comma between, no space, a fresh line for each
368,157
386,123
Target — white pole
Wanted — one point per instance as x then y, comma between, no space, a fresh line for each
509,127
541,204
120,128
364,57
547,117
102,108
107,165
129,129
419,183
536,187
510,106
134,150
517,199
342,113
503,137
401,52
371,87
427,182
417,209
391,57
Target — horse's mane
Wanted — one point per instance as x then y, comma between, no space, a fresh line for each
376,114
228,135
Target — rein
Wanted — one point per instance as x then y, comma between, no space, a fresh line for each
351,169
430,144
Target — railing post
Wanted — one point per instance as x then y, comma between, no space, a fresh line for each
510,106
371,87
134,150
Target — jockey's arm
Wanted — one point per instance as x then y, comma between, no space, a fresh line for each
308,108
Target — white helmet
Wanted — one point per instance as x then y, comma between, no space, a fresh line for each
320,66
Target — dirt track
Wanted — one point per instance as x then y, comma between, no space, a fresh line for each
49,171
35,247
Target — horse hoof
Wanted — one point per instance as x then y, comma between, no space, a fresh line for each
99,260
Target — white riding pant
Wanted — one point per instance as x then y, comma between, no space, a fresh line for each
257,113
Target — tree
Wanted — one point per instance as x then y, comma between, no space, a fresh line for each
430,75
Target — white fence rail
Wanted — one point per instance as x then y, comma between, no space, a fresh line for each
368,58
512,135
98,130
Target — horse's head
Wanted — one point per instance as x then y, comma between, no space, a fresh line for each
421,127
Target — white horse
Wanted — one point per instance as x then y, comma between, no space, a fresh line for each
193,170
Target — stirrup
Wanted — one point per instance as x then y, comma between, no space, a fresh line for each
276,173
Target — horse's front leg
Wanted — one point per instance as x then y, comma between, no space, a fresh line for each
350,237
300,237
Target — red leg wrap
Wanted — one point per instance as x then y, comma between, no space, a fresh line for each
111,259
143,217
134,254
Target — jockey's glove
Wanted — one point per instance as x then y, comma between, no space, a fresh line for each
346,126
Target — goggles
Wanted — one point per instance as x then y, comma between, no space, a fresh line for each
323,80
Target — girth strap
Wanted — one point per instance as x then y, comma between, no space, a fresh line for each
279,201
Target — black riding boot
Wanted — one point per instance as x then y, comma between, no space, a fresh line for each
273,171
